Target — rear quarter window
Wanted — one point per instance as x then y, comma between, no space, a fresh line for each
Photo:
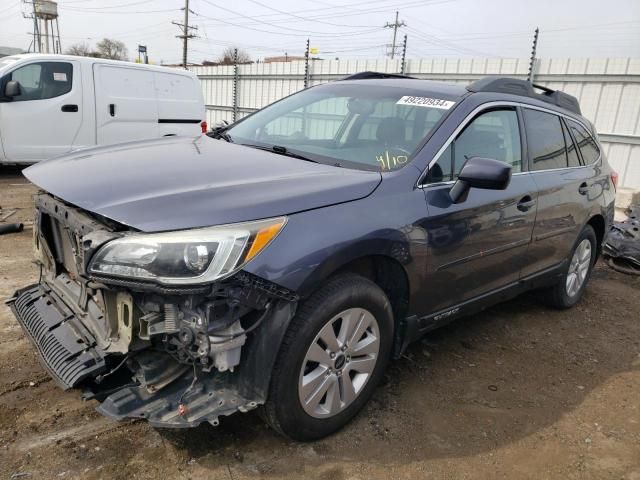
586,143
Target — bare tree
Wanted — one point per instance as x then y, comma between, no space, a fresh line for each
227,56
81,49
113,49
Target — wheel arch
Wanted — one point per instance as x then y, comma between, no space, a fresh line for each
598,223
392,277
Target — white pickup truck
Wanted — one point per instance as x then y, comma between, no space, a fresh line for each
52,104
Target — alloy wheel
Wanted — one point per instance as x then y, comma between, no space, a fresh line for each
578,268
339,362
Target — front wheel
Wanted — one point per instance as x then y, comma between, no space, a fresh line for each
332,357
568,291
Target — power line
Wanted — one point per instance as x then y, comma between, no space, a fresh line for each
340,8
377,9
305,31
286,34
10,7
451,46
105,8
291,14
124,13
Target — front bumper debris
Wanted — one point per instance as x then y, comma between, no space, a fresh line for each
179,404
65,347
622,246
145,383
176,357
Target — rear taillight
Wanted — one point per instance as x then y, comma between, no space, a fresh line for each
204,126
614,179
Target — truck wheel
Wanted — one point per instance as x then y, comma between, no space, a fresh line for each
331,359
568,291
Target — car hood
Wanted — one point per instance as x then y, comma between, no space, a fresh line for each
180,182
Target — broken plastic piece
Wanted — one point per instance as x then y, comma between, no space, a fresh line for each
622,247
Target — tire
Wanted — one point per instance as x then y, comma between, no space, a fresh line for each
358,300
561,295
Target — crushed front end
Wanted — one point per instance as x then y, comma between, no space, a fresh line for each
176,355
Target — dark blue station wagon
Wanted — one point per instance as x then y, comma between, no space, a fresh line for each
282,261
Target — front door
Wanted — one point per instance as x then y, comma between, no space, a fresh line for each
44,120
478,245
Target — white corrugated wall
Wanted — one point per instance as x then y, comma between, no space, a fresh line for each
608,90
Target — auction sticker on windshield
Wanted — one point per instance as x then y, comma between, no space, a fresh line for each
426,102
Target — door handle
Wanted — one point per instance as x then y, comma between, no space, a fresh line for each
526,203
112,109
69,108
583,189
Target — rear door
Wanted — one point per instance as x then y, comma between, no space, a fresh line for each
126,106
180,104
44,120
564,186
478,245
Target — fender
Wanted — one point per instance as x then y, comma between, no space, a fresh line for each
312,246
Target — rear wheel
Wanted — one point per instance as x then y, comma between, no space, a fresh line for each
568,291
333,356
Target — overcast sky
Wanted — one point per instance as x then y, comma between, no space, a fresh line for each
346,28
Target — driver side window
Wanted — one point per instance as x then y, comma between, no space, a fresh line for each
492,134
42,80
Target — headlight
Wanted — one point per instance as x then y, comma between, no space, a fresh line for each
188,256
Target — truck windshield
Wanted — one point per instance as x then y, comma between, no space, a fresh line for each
367,127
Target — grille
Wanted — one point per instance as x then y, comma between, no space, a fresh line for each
66,349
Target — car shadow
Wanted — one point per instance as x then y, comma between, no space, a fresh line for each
10,171
467,388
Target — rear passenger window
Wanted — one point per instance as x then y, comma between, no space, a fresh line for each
586,143
493,134
545,140
572,151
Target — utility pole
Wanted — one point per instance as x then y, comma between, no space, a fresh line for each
532,62
186,35
395,25
404,56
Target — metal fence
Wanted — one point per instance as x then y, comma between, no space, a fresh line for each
608,90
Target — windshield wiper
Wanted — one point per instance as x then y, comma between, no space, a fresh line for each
280,150
221,132
225,136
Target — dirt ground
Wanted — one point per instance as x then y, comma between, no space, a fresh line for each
519,391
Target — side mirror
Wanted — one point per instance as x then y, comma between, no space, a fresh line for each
485,173
12,89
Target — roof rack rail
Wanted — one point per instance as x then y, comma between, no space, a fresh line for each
372,75
523,88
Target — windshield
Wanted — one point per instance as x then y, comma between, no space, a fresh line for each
368,127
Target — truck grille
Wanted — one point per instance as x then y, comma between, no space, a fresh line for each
65,347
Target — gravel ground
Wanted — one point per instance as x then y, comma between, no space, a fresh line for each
519,391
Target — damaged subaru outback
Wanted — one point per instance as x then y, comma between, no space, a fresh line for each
279,263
